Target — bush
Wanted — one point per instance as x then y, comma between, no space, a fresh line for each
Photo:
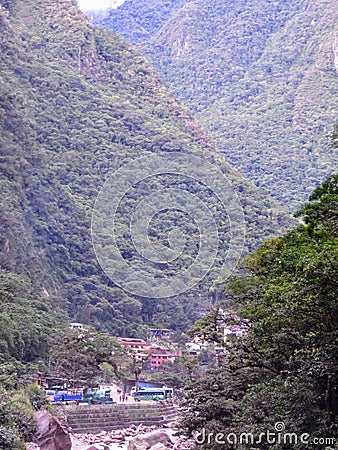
9,438
37,397
23,414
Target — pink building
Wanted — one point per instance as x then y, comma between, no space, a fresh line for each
158,355
161,355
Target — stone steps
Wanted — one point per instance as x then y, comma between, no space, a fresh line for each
96,418
94,410
94,429
90,412
81,420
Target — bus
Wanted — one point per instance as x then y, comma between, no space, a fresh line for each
153,394
67,396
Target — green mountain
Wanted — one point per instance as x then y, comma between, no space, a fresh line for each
261,77
76,103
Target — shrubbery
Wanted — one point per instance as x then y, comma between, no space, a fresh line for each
17,423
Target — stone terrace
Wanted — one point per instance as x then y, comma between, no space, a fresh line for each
96,418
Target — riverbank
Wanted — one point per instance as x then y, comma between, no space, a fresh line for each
134,438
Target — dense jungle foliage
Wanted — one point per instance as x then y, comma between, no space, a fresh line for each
76,103
261,75
285,368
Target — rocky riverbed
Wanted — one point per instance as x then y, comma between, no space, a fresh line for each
133,438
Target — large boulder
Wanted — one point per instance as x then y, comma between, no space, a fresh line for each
149,440
98,447
158,446
32,446
51,435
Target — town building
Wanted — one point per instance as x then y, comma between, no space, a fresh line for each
76,326
157,355
139,347
160,334
161,355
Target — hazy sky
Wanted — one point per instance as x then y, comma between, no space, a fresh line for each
86,5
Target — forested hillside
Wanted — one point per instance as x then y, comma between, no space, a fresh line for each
76,103
261,76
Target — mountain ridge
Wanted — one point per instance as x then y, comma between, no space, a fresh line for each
261,78
77,103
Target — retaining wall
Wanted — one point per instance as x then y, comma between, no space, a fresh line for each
96,418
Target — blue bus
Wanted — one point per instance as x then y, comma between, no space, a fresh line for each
66,396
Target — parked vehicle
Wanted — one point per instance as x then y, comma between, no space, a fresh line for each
154,394
67,396
89,396
93,397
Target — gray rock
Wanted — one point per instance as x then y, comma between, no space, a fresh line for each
32,446
50,434
148,440
159,446
172,424
98,447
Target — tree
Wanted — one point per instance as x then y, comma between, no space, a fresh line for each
285,369
82,357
